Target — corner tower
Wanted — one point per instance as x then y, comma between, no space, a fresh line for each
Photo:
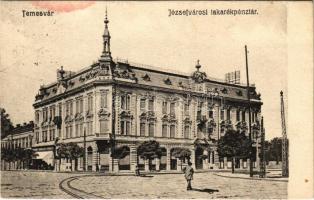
106,53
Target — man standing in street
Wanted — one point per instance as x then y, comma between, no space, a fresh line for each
188,174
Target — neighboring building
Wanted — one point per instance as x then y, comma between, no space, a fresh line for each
133,103
19,137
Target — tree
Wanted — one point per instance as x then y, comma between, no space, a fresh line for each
120,152
28,155
274,150
181,153
149,150
6,124
234,144
70,151
74,152
61,153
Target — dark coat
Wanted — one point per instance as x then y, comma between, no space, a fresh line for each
188,172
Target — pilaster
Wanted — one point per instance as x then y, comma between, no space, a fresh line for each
157,161
133,157
168,167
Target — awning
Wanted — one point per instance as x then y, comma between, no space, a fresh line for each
46,156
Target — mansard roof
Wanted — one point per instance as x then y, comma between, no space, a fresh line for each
148,77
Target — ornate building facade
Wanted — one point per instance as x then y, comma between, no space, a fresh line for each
132,103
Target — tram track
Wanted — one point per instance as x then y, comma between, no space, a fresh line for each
65,186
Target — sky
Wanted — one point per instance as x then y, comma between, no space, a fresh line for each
33,48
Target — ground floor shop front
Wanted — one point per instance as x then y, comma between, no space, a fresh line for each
98,158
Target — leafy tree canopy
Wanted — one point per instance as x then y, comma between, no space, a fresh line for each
181,153
6,124
149,150
120,152
70,150
233,144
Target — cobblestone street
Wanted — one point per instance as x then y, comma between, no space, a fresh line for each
205,185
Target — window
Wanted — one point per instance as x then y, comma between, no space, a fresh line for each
222,115
199,110
186,108
243,115
228,114
210,114
45,136
151,105
50,135
164,107
90,102
77,130
164,130
172,108
71,131
151,128
238,115
37,137
186,132
172,131
103,99
67,108
199,105
142,129
125,102
122,127
81,130
253,117
128,128
89,128
77,106
71,108
143,104
45,114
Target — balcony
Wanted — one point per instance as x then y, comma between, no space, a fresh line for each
102,136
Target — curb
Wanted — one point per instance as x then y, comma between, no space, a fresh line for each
258,179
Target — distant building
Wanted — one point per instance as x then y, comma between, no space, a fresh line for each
132,103
19,137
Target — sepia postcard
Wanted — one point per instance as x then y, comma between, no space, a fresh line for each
156,100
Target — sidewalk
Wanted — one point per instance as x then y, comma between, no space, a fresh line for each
121,172
269,177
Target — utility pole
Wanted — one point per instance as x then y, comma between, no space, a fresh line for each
249,107
285,165
263,160
84,154
113,136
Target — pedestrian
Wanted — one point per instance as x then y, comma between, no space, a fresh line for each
137,171
188,174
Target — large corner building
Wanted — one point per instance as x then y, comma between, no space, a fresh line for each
132,103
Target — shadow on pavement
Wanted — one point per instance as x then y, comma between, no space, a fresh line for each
210,191
146,176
